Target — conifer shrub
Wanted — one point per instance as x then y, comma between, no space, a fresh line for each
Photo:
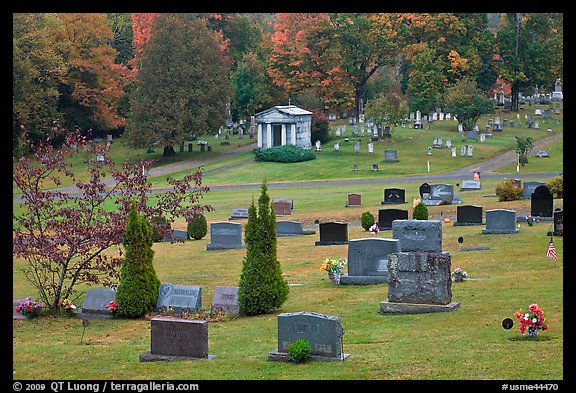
420,211
197,227
506,191
367,220
286,153
262,288
299,350
137,290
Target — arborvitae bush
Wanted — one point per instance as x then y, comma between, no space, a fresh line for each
420,211
556,186
367,220
506,191
320,131
137,290
299,350
262,289
197,227
286,153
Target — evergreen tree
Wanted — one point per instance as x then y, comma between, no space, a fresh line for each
262,288
137,291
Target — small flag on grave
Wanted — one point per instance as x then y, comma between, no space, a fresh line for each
551,252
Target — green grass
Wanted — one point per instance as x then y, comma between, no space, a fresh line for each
466,344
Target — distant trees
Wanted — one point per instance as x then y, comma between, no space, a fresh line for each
467,103
182,86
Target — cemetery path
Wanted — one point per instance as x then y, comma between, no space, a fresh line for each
485,168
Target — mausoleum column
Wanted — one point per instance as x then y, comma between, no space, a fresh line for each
293,133
259,134
283,134
268,134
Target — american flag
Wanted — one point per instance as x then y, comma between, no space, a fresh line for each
551,252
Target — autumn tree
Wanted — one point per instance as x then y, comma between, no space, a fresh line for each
465,101
388,109
68,238
93,85
37,69
182,86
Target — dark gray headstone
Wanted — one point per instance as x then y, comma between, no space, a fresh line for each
499,221
529,187
418,235
420,278
369,256
238,213
289,228
442,192
323,332
225,235
177,339
332,233
424,191
542,202
176,235
387,216
179,298
390,155
394,196
97,299
225,299
468,215
558,219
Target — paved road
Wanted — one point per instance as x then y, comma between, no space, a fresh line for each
486,169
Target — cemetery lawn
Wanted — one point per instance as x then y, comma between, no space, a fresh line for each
466,344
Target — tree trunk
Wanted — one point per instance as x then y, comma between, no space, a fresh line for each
514,105
169,151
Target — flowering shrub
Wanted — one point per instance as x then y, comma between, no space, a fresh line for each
374,229
29,307
532,321
458,275
333,265
68,307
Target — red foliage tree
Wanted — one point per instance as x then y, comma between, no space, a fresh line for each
66,236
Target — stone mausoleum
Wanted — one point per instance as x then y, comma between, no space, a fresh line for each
284,125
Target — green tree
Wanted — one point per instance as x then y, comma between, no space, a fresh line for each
137,290
388,109
182,86
531,48
426,82
465,101
523,147
262,288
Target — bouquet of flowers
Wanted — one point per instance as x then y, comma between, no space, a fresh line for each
374,229
69,307
113,307
458,275
335,265
532,321
29,307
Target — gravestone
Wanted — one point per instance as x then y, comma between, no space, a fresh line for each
439,193
333,233
500,221
375,167
357,147
468,215
323,332
290,201
225,235
96,300
470,185
558,220
424,191
239,213
289,228
529,187
418,235
282,208
391,155
394,196
354,200
387,216
177,339
179,298
225,300
419,282
176,235
368,260
541,203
